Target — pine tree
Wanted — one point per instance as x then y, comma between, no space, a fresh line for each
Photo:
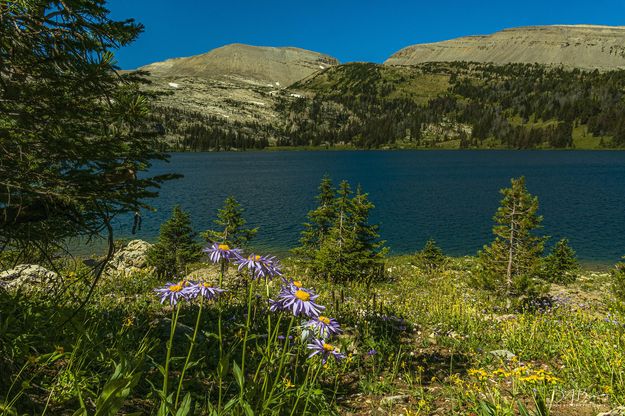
351,250
75,134
431,257
561,265
320,221
330,258
510,264
232,226
176,246
369,250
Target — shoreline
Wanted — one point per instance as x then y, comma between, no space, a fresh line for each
586,265
406,149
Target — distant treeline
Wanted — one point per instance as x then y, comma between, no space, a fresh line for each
516,106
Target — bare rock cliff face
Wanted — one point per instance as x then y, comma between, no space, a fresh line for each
278,67
574,46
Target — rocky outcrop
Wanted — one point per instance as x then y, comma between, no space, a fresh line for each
572,46
132,257
29,277
619,411
262,65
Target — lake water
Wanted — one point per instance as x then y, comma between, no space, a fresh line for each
450,196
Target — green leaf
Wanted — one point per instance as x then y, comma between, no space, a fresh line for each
238,375
522,409
185,407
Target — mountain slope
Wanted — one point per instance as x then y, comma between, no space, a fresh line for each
575,46
252,64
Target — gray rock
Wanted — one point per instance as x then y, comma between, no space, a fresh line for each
619,411
28,277
133,256
391,400
508,355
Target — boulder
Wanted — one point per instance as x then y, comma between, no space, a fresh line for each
619,411
28,277
132,257
508,355
393,400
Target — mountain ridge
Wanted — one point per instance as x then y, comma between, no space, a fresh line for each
262,65
574,46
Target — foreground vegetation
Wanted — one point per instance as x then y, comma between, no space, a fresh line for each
338,329
216,329
421,341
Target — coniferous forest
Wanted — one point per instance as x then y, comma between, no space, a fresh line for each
435,105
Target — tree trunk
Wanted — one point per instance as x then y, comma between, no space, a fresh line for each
510,250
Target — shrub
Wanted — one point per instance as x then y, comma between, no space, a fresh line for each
231,225
431,257
561,265
176,246
618,280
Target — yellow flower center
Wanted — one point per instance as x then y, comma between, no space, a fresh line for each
328,347
297,283
224,247
205,284
254,258
175,288
302,295
324,319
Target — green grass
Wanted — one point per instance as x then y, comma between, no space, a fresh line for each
583,139
432,332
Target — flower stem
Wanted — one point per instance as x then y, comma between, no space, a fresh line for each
175,313
268,318
312,383
301,389
282,359
186,362
247,329
219,334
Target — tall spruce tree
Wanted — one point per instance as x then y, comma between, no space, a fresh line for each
511,263
320,221
368,250
332,257
232,229
74,132
352,250
176,246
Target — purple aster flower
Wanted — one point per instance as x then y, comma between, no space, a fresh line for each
260,266
300,302
326,350
218,252
172,292
275,305
324,326
292,285
205,290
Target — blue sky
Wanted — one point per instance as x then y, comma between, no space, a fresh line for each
349,30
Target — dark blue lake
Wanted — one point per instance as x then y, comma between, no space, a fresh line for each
450,196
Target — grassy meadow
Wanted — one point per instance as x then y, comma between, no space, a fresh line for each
423,342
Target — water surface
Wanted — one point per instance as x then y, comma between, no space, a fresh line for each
450,196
